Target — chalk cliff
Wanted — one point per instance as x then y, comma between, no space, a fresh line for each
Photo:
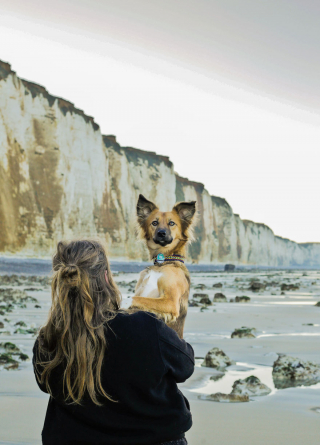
59,178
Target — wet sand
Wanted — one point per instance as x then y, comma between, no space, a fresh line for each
282,322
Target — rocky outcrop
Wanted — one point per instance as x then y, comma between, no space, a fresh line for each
290,371
251,386
60,178
216,358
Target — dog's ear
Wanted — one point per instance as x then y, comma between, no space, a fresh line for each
144,208
186,212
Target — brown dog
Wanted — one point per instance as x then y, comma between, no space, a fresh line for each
164,287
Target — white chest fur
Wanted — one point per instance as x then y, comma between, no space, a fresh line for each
149,285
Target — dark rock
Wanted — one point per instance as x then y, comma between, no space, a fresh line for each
318,304
285,286
242,299
200,286
218,285
256,286
200,296
229,267
26,331
219,297
206,300
37,306
21,323
1,325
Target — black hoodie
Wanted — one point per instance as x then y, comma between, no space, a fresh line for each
144,361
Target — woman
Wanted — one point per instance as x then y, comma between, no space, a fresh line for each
112,375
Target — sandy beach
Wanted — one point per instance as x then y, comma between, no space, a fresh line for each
286,324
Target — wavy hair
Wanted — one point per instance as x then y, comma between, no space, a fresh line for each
84,299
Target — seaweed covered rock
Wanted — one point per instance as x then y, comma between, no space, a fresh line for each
318,304
256,286
251,386
193,303
200,296
10,355
32,331
200,286
217,285
243,332
216,358
1,325
28,280
285,286
219,298
291,371
242,299
220,397
206,300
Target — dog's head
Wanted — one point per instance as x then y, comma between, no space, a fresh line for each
164,230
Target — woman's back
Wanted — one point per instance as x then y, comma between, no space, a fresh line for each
144,361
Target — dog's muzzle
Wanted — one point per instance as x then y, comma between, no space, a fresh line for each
162,237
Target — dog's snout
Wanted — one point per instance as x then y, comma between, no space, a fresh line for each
161,233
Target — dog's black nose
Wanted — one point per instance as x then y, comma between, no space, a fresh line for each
161,233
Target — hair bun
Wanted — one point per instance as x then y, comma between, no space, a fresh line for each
70,273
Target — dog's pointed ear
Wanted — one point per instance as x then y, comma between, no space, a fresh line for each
186,212
144,208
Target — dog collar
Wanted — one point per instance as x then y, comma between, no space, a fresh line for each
160,258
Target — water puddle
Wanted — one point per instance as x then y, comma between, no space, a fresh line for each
223,383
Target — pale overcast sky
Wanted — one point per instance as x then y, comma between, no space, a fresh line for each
228,89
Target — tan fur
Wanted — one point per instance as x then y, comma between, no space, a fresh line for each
166,286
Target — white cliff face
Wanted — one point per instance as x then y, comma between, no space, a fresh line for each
60,178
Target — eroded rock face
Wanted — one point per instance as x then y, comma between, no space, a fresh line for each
251,386
220,397
291,371
219,298
243,332
216,358
92,185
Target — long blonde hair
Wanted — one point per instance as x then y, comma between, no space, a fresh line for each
83,301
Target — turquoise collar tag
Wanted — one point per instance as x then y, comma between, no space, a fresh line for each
160,258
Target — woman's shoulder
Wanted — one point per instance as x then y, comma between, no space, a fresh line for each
134,324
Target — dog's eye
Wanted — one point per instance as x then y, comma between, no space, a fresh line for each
154,223
171,223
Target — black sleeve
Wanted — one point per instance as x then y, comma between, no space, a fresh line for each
36,367
177,354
